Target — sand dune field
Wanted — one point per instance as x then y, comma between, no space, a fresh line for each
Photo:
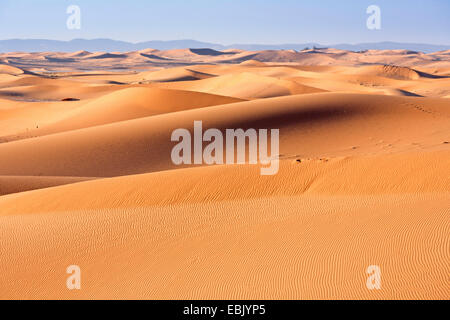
87,179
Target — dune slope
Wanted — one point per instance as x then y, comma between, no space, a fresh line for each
380,124
237,237
87,179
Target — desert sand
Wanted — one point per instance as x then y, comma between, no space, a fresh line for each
86,176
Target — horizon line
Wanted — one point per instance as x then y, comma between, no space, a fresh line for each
227,45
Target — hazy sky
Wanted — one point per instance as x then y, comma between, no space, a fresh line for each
230,21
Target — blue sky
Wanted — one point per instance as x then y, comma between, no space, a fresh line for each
230,21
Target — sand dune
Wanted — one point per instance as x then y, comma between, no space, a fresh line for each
394,72
253,63
122,105
145,59
17,117
276,248
256,86
368,175
17,184
87,179
175,74
81,53
382,125
33,88
159,240
13,71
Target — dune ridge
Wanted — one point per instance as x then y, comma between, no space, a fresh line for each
143,145
372,175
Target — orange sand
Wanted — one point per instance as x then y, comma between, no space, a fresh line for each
363,179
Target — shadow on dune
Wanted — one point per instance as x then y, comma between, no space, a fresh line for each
209,52
152,56
109,56
431,76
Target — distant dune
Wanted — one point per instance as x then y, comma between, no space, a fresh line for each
34,45
87,179
152,58
10,70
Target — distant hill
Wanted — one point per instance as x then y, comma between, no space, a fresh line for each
421,47
40,45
